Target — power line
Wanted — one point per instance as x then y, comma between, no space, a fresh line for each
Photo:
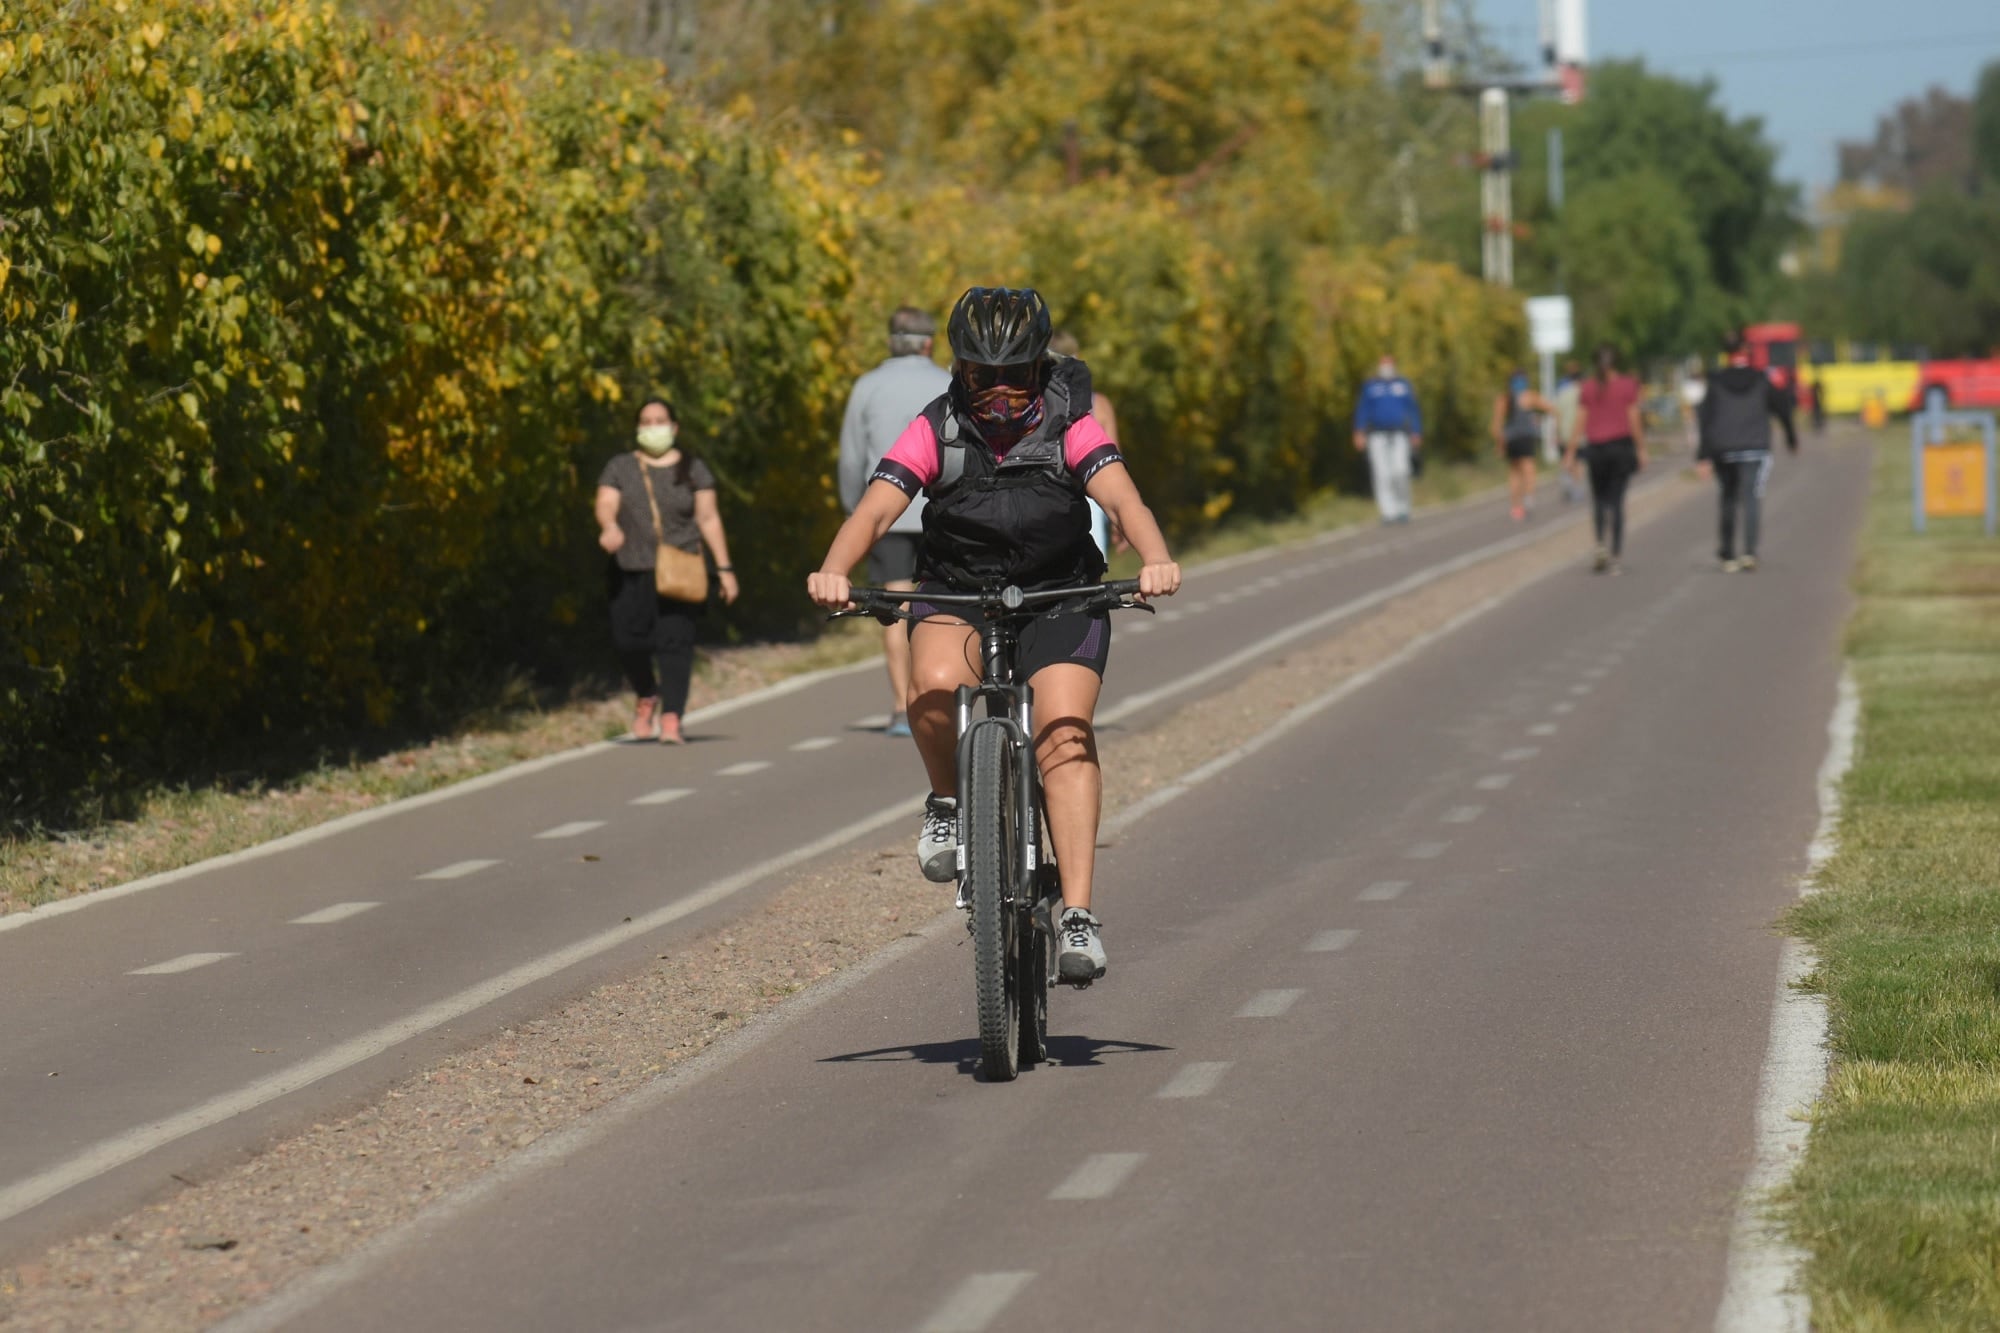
1834,49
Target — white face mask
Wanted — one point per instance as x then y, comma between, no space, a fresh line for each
656,440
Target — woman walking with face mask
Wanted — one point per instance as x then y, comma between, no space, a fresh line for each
657,504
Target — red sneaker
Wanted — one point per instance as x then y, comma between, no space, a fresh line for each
646,722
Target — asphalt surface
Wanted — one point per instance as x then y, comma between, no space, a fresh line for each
164,1033
1445,1010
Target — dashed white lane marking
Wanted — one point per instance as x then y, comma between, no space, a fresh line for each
1597,673
457,870
1579,690
1098,1175
1564,707
1520,752
326,916
744,769
873,722
1167,617
811,743
976,1303
572,829
187,962
1542,729
1136,625
1195,1080
1463,814
1494,781
1382,890
1195,608
1331,941
1427,851
663,796
1269,1004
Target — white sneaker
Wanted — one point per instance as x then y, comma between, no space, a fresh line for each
937,845
1082,956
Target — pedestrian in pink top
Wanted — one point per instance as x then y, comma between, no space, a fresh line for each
1614,447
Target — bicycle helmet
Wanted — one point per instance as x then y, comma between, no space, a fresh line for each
999,326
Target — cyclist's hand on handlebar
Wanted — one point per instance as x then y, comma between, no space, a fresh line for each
832,591
1161,580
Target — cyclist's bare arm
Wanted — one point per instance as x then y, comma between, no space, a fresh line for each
881,505
1112,488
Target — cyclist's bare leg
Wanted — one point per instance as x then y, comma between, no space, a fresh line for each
1066,748
944,654
896,651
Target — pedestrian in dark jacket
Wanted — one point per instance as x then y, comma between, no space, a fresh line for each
1735,420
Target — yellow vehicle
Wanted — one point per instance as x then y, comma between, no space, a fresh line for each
1848,385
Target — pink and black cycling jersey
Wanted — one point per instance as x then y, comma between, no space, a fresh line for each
914,460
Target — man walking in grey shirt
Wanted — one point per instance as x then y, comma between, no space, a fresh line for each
885,401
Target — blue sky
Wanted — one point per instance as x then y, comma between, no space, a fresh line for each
1816,71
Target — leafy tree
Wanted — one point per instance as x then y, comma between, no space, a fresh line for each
1986,125
1666,300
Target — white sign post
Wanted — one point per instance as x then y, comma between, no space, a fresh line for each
1550,332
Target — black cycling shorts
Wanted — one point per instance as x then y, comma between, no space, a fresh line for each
1066,636
1520,449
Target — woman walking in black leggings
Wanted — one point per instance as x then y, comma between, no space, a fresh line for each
1614,448
653,496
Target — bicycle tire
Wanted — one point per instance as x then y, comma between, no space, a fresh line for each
990,856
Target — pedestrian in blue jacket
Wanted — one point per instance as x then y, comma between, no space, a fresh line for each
1389,427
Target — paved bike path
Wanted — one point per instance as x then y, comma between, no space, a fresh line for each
1444,1011
155,1032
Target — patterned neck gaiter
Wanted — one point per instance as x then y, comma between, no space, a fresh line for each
1005,414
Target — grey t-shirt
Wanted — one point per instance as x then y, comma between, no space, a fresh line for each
628,476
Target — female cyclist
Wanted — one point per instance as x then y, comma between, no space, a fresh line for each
1005,459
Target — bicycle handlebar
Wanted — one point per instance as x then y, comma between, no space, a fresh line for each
885,604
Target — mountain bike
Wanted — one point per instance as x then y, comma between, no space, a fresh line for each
1007,876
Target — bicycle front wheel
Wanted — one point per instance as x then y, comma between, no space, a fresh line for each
989,833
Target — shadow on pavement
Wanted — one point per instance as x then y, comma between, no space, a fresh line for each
1065,1051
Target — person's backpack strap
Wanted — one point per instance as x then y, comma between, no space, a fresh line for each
951,454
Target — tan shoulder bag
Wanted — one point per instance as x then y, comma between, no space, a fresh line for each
680,576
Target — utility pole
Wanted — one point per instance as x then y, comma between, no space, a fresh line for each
1562,42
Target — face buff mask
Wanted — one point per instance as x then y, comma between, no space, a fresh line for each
1005,413
656,440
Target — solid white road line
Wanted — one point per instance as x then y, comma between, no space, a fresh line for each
16,920
326,916
976,1303
1427,851
744,769
457,870
1098,1175
1543,729
109,1154
1269,1004
1520,752
1760,1286
663,796
1463,814
1331,941
1195,1080
1382,891
187,962
816,743
1494,781
572,829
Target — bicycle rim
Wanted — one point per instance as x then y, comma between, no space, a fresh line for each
989,860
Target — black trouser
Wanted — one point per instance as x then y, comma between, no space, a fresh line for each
649,631
1611,466
1742,482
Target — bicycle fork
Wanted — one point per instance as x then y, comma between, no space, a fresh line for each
1011,707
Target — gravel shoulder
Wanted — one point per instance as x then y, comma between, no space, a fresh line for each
223,1244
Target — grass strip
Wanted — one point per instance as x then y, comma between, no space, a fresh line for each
1897,1200
171,827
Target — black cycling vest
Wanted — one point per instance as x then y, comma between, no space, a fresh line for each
1020,520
